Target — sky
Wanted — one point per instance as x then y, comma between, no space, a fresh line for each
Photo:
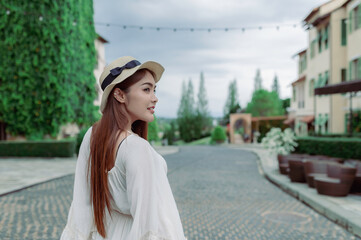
221,55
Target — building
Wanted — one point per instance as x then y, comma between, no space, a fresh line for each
99,48
329,71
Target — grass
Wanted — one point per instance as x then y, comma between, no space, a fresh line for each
202,141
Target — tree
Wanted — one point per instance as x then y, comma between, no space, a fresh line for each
275,86
186,112
265,103
169,133
203,120
232,104
153,130
190,98
258,80
285,104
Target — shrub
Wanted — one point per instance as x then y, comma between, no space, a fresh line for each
335,147
42,148
218,135
280,142
79,139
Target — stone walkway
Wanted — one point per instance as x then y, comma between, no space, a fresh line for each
346,211
19,173
220,195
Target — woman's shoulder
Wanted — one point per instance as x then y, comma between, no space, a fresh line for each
87,134
134,140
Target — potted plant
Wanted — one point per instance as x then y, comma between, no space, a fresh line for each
280,143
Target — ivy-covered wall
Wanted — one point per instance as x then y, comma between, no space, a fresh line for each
47,58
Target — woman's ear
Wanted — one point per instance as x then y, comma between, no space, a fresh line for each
119,95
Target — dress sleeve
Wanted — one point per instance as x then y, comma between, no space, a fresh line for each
80,219
152,205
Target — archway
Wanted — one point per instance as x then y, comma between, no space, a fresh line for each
240,128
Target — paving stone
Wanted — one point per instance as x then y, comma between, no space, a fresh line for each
219,192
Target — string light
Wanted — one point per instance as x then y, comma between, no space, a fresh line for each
192,29
42,18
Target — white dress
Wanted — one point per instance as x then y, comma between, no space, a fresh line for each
143,206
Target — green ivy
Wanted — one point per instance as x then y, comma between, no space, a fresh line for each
47,58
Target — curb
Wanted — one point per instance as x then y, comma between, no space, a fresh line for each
34,184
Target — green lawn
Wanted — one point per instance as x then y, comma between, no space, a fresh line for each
202,141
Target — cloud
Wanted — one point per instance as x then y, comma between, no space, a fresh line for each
221,55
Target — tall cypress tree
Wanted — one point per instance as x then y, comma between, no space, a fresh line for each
186,113
203,123
232,104
275,86
258,80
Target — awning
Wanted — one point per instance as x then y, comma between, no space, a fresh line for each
299,80
344,87
289,121
308,119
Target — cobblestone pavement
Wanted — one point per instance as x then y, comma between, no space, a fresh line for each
219,192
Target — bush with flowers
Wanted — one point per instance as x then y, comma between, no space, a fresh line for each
280,142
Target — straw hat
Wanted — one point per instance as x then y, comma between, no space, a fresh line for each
121,69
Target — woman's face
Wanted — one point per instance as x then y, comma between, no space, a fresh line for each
140,100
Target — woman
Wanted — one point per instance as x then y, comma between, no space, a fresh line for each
121,190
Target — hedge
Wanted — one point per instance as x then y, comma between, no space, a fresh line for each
348,148
41,148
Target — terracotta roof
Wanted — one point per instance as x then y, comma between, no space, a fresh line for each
300,53
301,79
308,119
101,39
323,11
256,119
310,15
289,121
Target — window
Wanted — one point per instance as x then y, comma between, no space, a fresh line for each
301,95
294,94
350,22
355,19
325,79
312,53
343,75
311,87
325,36
343,32
302,64
320,80
319,39
326,123
355,69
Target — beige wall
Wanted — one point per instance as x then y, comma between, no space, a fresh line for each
99,47
338,62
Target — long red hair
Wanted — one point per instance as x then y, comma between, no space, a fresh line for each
105,134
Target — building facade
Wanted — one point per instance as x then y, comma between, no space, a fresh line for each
333,57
